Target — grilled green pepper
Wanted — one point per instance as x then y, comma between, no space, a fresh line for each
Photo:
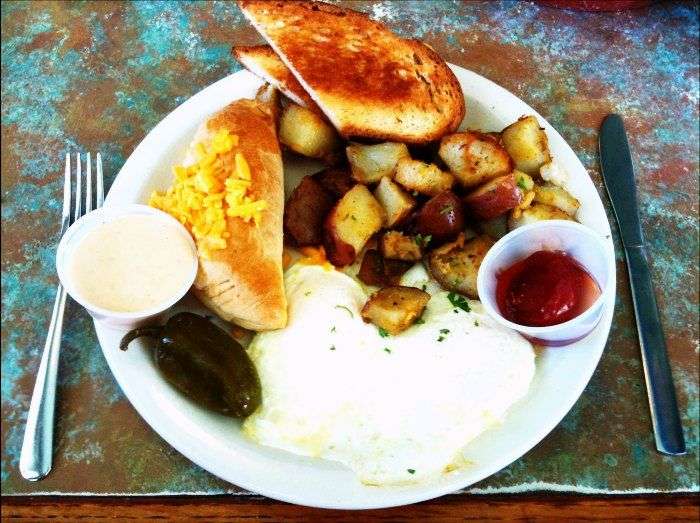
204,363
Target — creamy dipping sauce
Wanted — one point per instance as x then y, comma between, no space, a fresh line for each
131,264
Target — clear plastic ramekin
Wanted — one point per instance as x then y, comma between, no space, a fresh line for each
583,244
72,238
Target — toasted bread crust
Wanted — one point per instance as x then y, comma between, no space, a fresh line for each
262,61
243,283
369,82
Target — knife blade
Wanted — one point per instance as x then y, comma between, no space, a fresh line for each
618,176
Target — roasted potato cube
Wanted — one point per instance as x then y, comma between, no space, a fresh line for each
335,180
556,196
397,203
474,157
351,223
425,178
494,198
526,142
370,163
496,227
306,133
305,211
396,245
375,270
395,309
535,213
455,265
441,217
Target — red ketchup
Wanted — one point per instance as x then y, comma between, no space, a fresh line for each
546,288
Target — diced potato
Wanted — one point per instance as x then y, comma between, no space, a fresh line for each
351,223
556,196
527,144
397,203
375,270
305,211
474,157
396,245
535,213
455,265
425,178
494,198
440,218
306,133
496,228
370,163
395,309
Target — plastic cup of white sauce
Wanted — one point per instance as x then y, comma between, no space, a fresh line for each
126,264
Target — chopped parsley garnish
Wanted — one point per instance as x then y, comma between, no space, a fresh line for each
352,217
332,347
457,300
411,471
446,209
444,331
388,351
344,307
382,332
522,183
476,323
423,287
443,334
333,328
307,293
422,240
420,321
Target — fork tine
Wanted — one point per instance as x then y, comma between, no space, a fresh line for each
65,215
100,183
78,189
88,184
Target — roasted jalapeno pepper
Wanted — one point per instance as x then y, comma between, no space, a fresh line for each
204,363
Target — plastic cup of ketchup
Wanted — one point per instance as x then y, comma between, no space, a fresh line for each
548,280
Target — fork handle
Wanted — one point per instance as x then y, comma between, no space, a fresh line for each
37,446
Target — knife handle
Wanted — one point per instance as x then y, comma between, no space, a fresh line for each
668,430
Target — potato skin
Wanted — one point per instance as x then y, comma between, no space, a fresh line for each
395,308
475,157
380,272
494,198
441,217
455,265
305,211
335,180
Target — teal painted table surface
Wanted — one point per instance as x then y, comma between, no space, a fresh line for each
98,76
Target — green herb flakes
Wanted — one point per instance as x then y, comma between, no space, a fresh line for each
476,323
332,347
446,210
388,351
422,240
411,471
382,332
345,308
457,300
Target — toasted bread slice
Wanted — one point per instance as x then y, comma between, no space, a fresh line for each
369,82
262,61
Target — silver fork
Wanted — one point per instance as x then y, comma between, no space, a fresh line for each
37,446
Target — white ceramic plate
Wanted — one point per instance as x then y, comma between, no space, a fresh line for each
214,442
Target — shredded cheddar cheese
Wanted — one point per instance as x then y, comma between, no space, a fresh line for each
205,193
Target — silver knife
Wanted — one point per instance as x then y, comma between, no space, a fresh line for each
618,175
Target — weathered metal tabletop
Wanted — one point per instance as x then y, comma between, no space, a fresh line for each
99,75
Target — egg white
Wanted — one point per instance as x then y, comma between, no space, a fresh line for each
394,409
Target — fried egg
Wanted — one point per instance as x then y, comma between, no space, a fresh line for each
394,409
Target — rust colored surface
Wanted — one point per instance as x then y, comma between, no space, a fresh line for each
100,75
